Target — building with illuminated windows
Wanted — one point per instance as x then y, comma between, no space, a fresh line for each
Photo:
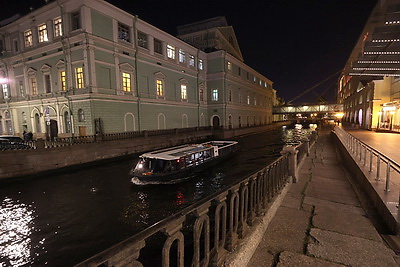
369,87
81,67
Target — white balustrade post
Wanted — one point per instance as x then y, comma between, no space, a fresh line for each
292,151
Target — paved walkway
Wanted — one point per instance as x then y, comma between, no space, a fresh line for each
321,221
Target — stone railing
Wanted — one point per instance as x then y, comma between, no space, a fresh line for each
76,140
204,233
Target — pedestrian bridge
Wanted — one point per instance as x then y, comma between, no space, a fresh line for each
329,109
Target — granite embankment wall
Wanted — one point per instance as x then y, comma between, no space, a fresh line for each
20,163
17,163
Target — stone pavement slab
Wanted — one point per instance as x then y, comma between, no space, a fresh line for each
290,259
321,221
349,250
334,220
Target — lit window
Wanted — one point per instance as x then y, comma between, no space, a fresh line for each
123,32
42,31
57,25
229,66
170,51
63,80
248,100
28,38
142,39
160,87
79,77
191,60
126,82
33,85
214,95
201,64
182,56
6,93
183,92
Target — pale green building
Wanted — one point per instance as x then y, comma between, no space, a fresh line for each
81,67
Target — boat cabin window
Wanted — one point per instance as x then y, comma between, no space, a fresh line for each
157,165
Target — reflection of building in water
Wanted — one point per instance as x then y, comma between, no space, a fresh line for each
369,86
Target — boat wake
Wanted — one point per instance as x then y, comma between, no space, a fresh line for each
136,181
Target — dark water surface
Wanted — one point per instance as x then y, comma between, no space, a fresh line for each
63,219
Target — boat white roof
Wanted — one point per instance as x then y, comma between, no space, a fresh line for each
174,153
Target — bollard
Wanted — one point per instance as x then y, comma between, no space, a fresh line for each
306,141
292,151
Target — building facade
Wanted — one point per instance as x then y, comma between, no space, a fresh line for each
82,67
369,86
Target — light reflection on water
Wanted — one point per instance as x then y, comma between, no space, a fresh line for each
16,227
90,202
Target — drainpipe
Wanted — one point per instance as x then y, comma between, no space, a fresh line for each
136,73
197,87
66,95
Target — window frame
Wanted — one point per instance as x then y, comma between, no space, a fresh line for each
214,95
57,27
171,51
124,33
184,96
79,78
28,38
158,46
143,39
63,80
126,81
43,36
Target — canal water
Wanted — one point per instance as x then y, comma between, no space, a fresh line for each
62,219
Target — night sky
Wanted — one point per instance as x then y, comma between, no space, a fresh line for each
295,43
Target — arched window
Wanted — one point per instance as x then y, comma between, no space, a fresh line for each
161,121
81,115
185,123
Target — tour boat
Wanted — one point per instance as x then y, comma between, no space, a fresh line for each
178,163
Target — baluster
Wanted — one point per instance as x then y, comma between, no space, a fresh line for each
219,253
201,225
234,204
244,204
253,200
173,232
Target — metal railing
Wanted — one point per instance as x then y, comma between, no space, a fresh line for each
203,233
381,167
